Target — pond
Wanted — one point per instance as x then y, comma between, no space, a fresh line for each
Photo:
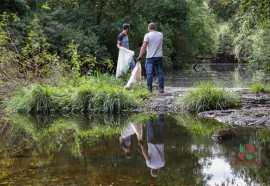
92,150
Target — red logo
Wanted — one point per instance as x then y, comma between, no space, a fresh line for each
246,156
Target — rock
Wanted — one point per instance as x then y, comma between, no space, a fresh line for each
222,135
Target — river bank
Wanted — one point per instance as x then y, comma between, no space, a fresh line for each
255,110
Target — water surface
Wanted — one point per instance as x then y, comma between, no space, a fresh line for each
86,150
226,74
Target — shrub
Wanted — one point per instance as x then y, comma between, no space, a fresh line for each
207,97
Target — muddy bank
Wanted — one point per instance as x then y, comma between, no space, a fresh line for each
255,110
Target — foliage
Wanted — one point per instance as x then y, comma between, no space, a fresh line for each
249,26
47,40
259,58
225,10
199,36
259,88
207,97
93,26
101,94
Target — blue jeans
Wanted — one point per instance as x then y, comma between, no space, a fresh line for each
151,63
155,136
132,65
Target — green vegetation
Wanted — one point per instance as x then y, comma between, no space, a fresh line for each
43,42
247,37
259,88
94,94
198,126
207,97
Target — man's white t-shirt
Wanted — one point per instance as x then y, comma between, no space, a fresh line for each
156,153
155,41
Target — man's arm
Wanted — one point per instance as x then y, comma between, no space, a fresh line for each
119,39
145,154
143,49
118,44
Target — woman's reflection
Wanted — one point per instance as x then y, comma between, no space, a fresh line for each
125,137
155,157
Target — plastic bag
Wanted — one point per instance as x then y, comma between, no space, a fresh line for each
136,76
124,59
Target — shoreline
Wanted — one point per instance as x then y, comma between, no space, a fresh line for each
255,110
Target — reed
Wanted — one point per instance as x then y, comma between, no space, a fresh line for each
207,97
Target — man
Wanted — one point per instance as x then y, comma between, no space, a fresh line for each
123,41
155,156
125,137
152,43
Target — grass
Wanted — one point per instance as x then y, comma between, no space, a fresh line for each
258,88
207,97
99,94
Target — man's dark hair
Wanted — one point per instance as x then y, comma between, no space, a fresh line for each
152,26
125,26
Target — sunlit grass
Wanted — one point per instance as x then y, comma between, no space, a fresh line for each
99,94
207,97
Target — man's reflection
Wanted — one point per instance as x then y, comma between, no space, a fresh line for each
155,156
125,137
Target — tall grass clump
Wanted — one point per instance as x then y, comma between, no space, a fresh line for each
258,88
93,94
207,97
34,100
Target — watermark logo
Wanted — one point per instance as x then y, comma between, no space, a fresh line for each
246,156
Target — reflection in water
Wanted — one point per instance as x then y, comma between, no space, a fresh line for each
125,137
85,151
155,156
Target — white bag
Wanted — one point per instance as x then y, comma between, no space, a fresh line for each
124,59
136,76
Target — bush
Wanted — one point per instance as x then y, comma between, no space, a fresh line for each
260,88
207,97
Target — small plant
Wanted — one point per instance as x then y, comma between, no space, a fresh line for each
207,97
259,88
